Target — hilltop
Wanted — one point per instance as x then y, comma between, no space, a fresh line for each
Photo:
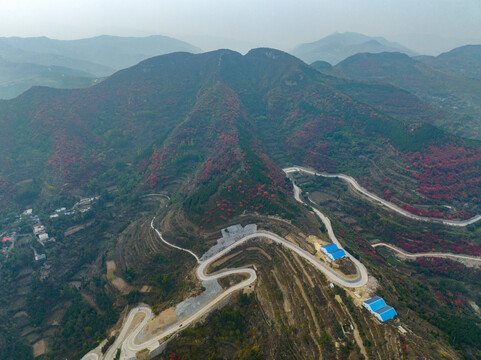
338,46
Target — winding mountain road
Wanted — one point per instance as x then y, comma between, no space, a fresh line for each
429,254
351,181
128,339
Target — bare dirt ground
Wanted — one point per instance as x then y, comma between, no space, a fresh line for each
56,317
121,285
91,302
74,229
365,292
111,267
39,348
164,319
146,289
19,314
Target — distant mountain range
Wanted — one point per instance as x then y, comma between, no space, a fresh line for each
15,78
445,88
80,60
336,47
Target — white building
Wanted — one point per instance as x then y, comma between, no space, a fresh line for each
43,236
38,229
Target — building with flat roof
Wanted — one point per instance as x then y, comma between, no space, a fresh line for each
378,307
333,256
39,257
385,313
374,303
38,229
329,248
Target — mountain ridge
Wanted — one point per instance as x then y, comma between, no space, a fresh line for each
338,46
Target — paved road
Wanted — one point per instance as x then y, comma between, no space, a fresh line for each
119,341
361,269
128,338
428,254
161,195
130,344
172,245
350,180
90,356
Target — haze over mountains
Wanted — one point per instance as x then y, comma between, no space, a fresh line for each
212,130
74,63
336,47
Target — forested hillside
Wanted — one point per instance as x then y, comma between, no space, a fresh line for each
208,135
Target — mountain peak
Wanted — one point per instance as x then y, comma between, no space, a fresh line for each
338,46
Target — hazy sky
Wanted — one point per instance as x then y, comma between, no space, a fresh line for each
429,25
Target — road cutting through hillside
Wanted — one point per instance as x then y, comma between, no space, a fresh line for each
128,339
351,181
429,254
130,344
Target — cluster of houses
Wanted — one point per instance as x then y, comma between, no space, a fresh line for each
378,307
39,230
82,206
332,252
7,242
60,211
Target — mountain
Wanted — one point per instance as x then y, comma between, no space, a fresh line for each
392,100
336,47
16,55
27,62
274,99
212,131
463,61
450,92
15,78
110,52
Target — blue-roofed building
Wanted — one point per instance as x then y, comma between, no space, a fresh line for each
329,248
333,256
385,313
374,303
379,308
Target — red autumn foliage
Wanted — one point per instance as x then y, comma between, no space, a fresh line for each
463,214
306,144
70,159
448,172
433,242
